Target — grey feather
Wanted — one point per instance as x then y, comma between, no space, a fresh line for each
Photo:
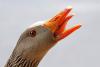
30,50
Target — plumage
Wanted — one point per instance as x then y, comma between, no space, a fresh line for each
35,41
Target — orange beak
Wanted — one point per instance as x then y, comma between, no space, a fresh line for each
58,23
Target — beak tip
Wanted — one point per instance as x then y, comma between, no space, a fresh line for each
69,7
79,25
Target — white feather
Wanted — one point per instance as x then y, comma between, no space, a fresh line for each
37,23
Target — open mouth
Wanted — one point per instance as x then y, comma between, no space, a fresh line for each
58,23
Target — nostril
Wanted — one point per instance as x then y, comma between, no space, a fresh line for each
55,18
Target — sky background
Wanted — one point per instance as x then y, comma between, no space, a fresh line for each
80,49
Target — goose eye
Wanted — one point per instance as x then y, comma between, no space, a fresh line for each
32,33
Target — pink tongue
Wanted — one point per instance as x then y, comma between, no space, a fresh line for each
63,25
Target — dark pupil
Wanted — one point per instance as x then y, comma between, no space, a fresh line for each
33,33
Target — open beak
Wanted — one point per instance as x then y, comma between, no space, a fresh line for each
58,23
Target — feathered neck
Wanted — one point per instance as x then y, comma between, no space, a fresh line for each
19,61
